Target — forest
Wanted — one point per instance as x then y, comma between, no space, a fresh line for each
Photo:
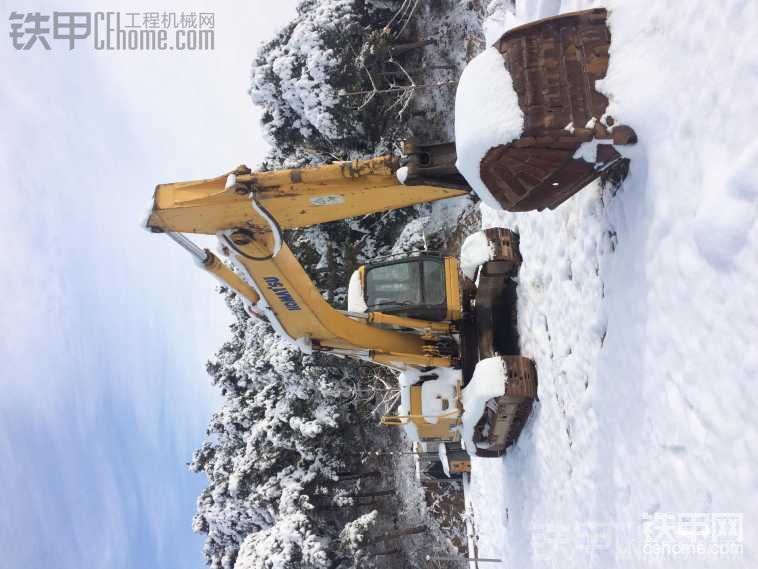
300,474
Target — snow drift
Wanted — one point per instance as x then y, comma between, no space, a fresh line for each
487,114
640,309
488,382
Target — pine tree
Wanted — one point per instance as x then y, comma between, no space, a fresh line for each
302,77
279,437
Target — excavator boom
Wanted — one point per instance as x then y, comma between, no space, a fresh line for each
248,211
295,198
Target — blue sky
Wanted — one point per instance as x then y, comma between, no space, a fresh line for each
106,328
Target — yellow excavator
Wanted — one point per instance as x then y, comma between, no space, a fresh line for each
417,314
423,314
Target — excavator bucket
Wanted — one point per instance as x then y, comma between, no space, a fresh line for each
554,64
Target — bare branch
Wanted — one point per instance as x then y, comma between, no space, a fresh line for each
408,18
408,95
398,13
374,90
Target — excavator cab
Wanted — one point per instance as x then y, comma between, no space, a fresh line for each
414,288
423,286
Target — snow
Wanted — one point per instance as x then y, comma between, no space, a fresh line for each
402,174
488,381
587,151
469,517
355,298
487,114
413,236
355,533
641,312
431,390
231,180
410,376
275,547
403,410
433,393
442,451
475,251
297,70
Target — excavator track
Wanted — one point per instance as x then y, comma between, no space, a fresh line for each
505,246
493,326
494,311
504,417
522,377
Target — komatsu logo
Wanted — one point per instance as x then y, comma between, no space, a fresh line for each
276,286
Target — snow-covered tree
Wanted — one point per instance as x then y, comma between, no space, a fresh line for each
301,79
283,433
355,534
290,543
276,453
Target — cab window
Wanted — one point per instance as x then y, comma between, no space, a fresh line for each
396,284
434,283
412,288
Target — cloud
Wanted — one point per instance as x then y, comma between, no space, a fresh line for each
105,328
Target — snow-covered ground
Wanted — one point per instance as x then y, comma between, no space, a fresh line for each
641,312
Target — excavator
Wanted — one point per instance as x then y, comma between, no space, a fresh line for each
431,317
417,313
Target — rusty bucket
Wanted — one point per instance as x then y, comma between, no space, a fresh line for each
554,64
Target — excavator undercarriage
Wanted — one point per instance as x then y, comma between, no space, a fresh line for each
492,331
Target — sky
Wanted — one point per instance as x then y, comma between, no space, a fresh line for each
105,327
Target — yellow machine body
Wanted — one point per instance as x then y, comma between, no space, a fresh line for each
414,332
295,198
248,211
442,427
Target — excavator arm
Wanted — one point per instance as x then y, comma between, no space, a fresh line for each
248,212
295,198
